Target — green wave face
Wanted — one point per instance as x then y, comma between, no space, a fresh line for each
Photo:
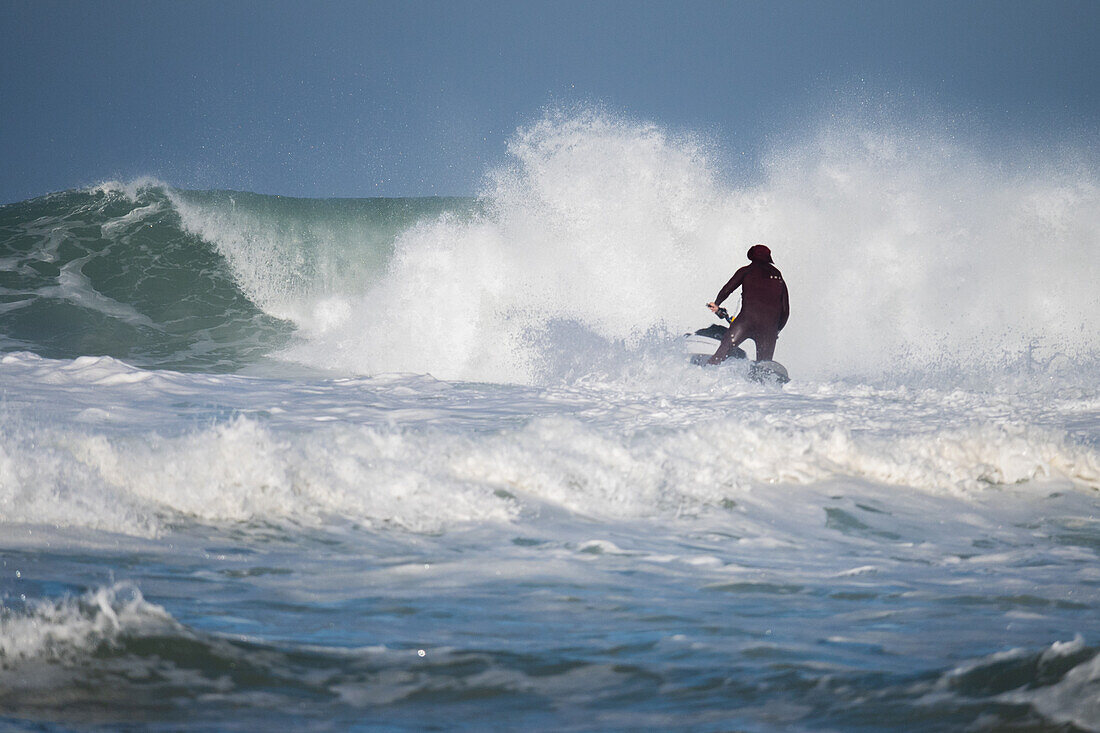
194,281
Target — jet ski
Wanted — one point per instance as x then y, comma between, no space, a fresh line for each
702,344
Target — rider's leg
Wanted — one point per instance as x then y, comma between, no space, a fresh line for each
735,334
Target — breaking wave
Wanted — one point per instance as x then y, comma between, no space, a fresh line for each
904,250
429,480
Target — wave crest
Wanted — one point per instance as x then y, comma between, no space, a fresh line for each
63,630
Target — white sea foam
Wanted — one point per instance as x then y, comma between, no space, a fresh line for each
397,451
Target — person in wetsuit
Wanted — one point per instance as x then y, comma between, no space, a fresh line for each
764,306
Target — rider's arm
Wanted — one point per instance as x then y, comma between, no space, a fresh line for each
733,284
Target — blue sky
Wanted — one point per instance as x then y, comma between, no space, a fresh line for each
419,98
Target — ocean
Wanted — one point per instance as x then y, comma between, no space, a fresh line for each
441,464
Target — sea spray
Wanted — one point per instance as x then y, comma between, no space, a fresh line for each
909,249
594,224
903,251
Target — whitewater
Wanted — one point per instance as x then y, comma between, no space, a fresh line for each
440,463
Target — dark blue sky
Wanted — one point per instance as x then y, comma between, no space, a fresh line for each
418,98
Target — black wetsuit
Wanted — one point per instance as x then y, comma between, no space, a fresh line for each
764,310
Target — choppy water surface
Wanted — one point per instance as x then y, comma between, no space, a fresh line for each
440,464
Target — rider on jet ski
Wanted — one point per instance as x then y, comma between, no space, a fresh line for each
764,306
